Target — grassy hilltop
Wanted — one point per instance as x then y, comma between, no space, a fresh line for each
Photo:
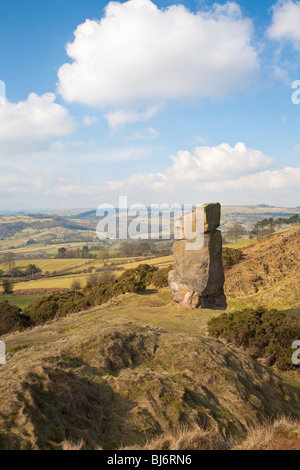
139,371
133,374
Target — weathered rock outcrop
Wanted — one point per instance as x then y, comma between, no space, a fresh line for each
198,277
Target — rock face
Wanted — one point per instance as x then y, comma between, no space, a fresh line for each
197,280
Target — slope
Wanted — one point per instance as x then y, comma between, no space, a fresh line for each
128,372
269,274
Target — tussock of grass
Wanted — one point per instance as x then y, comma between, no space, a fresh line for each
282,434
187,439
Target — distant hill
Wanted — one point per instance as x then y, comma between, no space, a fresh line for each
269,274
83,215
14,225
249,215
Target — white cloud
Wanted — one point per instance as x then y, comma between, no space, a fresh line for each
217,163
29,126
281,75
206,171
23,180
148,134
2,92
209,169
138,56
230,174
286,22
200,139
284,179
89,120
213,171
116,155
59,146
297,148
117,118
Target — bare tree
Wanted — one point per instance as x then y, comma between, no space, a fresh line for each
8,260
235,232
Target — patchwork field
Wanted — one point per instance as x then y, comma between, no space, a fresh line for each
65,281
19,300
50,264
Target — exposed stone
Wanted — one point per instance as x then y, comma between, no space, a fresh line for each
211,213
198,277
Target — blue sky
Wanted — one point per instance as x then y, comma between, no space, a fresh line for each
159,102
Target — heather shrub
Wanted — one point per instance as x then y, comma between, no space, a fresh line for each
11,318
160,277
55,306
60,304
231,257
267,334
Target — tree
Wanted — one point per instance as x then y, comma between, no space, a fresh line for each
269,223
8,260
85,252
7,286
257,231
294,219
32,269
268,226
143,248
280,221
76,285
61,253
106,277
103,254
93,280
235,232
126,250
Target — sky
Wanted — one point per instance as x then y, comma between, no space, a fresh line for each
162,102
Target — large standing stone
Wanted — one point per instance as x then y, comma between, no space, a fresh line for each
198,276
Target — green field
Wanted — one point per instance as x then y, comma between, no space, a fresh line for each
65,282
51,264
19,300
244,243
59,282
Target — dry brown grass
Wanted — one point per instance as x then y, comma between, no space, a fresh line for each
106,379
282,434
185,439
67,445
269,275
